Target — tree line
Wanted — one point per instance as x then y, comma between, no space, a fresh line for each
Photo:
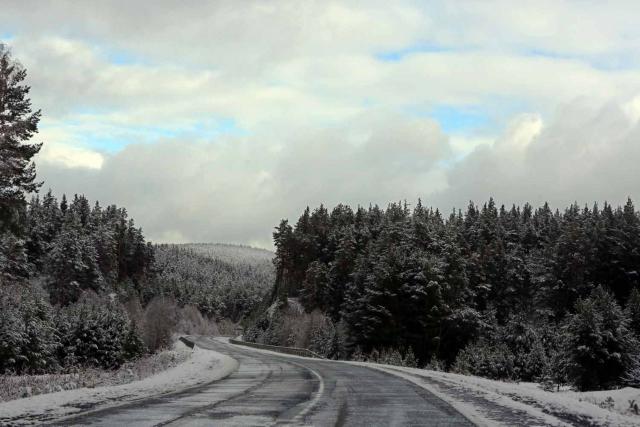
510,293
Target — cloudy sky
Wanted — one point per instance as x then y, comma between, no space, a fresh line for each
211,120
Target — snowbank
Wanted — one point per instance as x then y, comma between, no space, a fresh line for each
202,367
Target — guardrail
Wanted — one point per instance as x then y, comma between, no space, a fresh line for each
287,350
187,342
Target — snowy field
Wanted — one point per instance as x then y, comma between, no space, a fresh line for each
202,366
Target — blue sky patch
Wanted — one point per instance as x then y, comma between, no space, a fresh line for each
6,36
121,58
399,54
456,120
113,138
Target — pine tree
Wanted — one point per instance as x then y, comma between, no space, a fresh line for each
28,340
599,342
18,123
632,311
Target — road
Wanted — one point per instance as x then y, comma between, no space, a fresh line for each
271,390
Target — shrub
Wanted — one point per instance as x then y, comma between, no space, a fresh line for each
598,342
28,339
388,356
191,321
96,332
488,360
159,323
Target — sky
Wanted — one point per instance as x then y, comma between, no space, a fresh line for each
212,120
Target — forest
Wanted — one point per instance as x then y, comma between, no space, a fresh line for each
221,281
517,293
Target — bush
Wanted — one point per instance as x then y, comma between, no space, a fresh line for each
28,339
599,343
96,332
495,361
191,321
292,328
388,356
159,323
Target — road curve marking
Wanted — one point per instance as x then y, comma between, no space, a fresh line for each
318,395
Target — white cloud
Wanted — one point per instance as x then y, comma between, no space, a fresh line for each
70,156
582,154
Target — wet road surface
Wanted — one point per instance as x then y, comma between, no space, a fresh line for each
271,390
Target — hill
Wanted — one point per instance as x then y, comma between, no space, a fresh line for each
223,281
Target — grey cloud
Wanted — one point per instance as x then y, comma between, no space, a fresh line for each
236,190
583,154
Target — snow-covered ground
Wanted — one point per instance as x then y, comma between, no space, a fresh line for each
201,367
493,403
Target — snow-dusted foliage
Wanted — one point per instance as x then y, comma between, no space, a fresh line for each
599,344
37,338
29,340
233,254
222,281
17,386
95,332
74,247
389,356
288,326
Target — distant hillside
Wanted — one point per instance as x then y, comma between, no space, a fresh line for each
232,253
222,281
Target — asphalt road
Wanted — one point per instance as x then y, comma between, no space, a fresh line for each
277,390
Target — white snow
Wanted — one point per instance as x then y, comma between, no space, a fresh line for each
202,367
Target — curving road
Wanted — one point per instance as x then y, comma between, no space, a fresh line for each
277,390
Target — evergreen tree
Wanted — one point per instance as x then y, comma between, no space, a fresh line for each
18,123
599,343
632,311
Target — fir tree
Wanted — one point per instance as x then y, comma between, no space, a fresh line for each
18,123
599,343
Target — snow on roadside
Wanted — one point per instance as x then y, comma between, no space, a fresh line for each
16,386
202,367
616,400
563,408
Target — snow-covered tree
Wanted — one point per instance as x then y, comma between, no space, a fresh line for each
599,343
28,338
18,123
